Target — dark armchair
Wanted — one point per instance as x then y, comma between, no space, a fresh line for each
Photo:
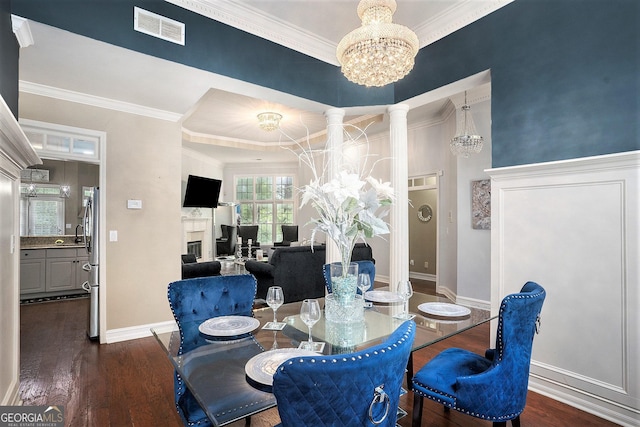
358,389
289,234
192,268
188,258
298,270
226,245
493,387
249,232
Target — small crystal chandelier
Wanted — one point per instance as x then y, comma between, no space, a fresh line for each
379,52
269,121
467,140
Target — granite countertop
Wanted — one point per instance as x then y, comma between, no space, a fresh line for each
49,242
54,246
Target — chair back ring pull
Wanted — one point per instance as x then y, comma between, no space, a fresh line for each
538,323
379,396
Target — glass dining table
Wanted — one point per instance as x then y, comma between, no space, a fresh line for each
215,371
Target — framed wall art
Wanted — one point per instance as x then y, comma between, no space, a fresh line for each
481,204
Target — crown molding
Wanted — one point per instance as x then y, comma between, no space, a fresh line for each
16,152
253,21
22,31
454,18
474,96
256,22
97,101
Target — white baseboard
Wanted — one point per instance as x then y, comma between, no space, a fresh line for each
12,397
472,302
140,331
423,276
446,292
586,402
382,279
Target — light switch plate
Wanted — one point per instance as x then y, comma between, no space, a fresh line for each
134,204
113,235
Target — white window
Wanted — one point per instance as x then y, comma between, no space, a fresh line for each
63,142
266,201
41,214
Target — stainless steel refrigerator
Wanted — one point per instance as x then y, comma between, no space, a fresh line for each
91,225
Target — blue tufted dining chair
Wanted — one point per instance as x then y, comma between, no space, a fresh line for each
493,387
354,389
367,267
193,301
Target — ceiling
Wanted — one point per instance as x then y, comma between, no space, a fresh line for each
218,114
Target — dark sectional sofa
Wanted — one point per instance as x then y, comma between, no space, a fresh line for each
298,270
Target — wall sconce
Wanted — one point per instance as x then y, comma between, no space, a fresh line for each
65,191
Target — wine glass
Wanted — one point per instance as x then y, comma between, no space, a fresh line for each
275,298
310,314
405,291
364,283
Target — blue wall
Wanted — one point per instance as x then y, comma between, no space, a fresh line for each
210,46
565,73
564,77
9,59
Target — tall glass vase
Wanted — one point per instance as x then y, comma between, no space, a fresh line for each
344,284
342,305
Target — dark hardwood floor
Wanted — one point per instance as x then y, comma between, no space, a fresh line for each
131,383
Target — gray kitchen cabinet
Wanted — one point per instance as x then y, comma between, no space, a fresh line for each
32,271
52,271
61,269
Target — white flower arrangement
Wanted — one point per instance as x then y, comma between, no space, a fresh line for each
351,205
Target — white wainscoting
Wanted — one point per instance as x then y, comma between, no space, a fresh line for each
573,227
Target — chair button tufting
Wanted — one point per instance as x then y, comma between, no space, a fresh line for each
225,290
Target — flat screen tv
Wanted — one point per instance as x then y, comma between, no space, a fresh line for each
202,192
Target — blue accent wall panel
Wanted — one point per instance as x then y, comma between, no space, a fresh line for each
9,60
565,77
565,73
210,45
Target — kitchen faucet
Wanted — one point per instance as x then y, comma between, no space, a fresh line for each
78,239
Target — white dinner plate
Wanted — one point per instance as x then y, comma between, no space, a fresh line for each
444,309
228,326
382,296
261,367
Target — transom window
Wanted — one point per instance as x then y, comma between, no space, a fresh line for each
266,201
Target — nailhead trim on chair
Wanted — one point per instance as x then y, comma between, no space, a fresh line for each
352,358
504,301
499,338
180,348
464,411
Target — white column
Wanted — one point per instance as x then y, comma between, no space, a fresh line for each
399,238
335,140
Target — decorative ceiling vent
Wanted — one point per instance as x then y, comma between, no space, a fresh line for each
158,26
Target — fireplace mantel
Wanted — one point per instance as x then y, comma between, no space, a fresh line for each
198,229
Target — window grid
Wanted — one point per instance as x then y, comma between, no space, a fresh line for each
266,201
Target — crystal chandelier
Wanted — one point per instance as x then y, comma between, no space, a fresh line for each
467,140
269,121
379,52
